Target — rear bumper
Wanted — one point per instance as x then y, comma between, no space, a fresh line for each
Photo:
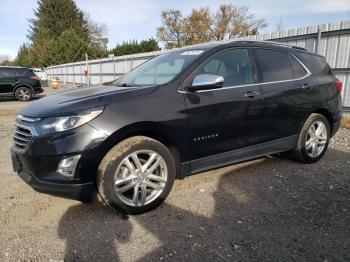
38,90
81,192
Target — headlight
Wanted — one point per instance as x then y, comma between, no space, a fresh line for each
58,124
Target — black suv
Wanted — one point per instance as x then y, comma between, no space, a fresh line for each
180,113
19,82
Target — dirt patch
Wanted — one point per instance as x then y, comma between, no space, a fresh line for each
345,122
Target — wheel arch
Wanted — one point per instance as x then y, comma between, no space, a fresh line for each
148,129
322,111
22,85
327,114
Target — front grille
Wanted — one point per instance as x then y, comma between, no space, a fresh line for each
24,131
22,136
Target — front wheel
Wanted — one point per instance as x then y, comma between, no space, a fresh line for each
136,175
313,139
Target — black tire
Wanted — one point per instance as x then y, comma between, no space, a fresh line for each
109,165
23,93
300,153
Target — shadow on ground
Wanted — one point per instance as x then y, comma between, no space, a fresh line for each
274,209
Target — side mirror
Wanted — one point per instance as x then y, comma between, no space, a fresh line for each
205,82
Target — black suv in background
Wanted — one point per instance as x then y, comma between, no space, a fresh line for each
181,113
20,82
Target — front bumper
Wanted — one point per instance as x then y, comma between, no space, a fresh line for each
37,164
82,192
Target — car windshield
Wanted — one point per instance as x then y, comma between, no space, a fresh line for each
159,70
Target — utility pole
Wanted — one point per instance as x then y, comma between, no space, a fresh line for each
86,70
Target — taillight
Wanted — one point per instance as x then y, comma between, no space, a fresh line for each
35,78
338,85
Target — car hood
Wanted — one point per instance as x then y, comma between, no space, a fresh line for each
81,99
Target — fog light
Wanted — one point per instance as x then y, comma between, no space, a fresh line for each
68,165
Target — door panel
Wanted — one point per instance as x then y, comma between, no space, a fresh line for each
226,118
222,120
288,90
7,81
285,107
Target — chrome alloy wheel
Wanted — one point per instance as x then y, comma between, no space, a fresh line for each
316,139
140,178
24,94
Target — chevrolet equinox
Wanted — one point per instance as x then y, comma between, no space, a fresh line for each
180,113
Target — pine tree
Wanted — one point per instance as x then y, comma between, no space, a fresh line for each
24,57
134,47
59,33
57,16
68,47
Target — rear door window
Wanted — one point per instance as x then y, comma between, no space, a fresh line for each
7,72
274,65
20,71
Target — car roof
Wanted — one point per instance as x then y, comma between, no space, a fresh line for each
14,67
251,43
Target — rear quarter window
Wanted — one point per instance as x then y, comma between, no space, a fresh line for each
24,72
28,72
317,64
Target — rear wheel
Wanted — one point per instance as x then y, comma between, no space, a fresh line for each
313,139
136,175
24,93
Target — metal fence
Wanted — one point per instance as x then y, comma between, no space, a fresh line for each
330,40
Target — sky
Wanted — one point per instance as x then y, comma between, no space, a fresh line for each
138,19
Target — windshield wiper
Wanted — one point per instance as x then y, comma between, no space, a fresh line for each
124,85
131,85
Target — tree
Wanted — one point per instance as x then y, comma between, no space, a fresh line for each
172,32
68,47
56,16
5,60
24,57
198,27
61,32
134,47
39,47
228,22
242,22
97,32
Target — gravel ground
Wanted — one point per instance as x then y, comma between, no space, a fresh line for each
268,209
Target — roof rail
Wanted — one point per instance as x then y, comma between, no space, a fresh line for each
268,42
12,66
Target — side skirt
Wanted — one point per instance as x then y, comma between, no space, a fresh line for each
8,94
238,155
